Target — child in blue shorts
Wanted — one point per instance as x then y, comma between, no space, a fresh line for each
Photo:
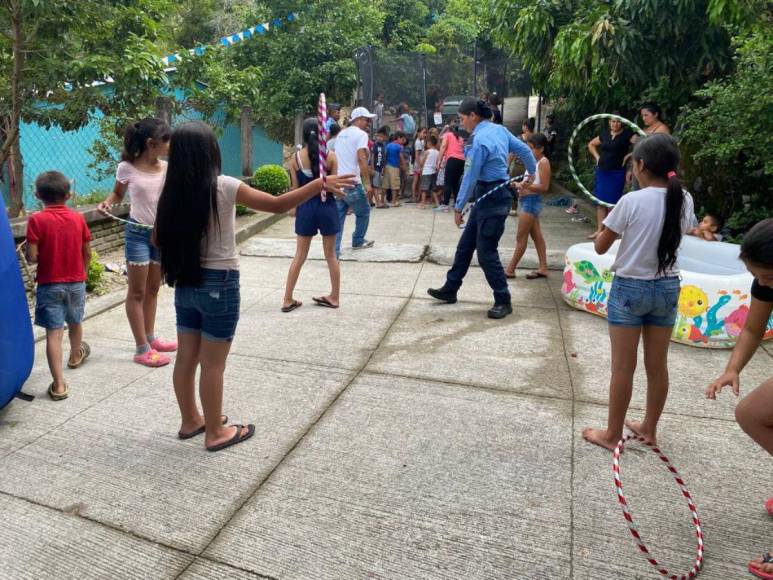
530,200
312,217
58,240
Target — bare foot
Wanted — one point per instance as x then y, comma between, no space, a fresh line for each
758,564
600,437
592,236
198,424
509,274
636,427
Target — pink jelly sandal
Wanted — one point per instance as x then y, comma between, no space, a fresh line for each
152,358
161,345
769,505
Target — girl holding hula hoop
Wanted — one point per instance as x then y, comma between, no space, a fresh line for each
755,412
611,151
141,174
645,291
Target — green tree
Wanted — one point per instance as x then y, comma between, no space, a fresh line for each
54,58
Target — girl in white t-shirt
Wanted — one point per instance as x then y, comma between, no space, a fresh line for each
428,170
419,146
141,174
195,235
645,291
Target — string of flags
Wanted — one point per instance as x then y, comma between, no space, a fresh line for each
232,39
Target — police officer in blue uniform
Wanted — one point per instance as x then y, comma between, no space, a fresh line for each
486,168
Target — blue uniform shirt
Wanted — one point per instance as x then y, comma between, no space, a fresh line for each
487,159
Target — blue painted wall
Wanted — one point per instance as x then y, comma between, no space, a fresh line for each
69,152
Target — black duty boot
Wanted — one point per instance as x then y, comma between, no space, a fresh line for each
443,294
500,311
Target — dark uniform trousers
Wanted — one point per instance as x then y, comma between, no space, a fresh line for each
485,226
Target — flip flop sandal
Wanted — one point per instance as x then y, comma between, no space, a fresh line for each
766,559
237,438
535,275
769,505
510,276
295,304
58,396
199,431
323,301
84,352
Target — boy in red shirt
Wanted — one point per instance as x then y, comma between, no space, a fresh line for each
58,240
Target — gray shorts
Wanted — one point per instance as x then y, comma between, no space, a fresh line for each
428,182
377,179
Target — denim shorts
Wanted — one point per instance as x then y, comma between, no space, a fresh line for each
211,309
138,249
638,303
56,304
531,204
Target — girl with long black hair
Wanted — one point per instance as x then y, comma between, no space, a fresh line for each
645,291
195,235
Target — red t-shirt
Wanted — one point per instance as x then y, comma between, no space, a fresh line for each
59,233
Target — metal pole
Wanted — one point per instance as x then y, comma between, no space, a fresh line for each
475,68
424,88
538,128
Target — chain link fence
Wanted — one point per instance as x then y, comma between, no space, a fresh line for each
432,85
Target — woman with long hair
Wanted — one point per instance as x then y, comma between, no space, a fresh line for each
452,163
313,216
195,235
645,290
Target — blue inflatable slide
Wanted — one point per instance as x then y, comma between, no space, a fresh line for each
17,345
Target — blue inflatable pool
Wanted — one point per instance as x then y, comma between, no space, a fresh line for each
17,345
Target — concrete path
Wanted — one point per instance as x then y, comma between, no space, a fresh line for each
396,438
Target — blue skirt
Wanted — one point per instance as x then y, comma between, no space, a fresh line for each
609,185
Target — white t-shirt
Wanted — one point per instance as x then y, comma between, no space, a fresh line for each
638,217
218,250
348,143
430,162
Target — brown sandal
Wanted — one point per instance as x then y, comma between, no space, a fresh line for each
58,396
84,351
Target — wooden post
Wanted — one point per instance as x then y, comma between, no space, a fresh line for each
246,125
164,109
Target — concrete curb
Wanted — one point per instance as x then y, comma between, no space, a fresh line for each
102,304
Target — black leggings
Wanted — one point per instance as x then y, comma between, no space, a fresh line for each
453,179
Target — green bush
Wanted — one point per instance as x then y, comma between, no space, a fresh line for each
243,209
93,198
272,179
94,275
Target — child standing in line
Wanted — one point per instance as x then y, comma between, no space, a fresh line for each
313,216
429,172
645,291
141,174
418,162
195,234
530,198
58,240
377,165
394,163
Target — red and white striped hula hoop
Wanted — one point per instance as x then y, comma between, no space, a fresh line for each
322,139
632,526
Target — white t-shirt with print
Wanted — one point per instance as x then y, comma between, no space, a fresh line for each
218,250
348,143
430,162
638,217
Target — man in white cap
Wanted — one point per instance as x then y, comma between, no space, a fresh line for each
352,153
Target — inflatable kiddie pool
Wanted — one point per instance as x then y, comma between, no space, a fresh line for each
713,303
17,345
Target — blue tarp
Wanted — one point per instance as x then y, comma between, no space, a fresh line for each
17,345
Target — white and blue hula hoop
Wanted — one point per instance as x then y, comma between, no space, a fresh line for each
630,124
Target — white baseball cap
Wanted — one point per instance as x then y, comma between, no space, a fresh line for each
362,112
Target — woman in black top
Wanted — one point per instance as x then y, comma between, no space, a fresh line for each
611,150
754,412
